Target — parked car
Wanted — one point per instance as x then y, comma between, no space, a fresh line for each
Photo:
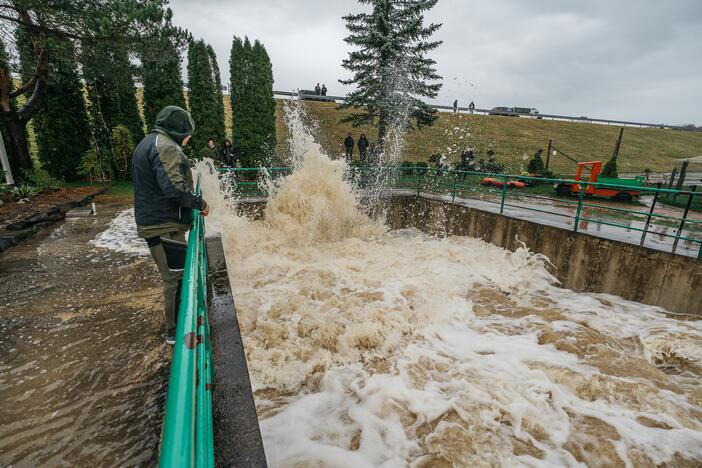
310,95
506,111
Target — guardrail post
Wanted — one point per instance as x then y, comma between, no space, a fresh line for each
684,218
419,183
580,207
453,190
648,218
504,193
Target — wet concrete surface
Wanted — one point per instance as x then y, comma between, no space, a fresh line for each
595,220
83,364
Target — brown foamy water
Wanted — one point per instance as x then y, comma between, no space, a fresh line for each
376,348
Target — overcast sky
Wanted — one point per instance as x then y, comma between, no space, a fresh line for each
623,59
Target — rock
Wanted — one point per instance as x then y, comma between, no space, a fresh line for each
10,238
54,211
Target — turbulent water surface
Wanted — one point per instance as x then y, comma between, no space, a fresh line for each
370,347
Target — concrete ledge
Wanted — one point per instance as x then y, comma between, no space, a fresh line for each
237,437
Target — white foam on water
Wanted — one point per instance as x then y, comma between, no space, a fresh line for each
121,236
369,347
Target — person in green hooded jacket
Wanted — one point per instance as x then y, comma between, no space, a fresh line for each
164,199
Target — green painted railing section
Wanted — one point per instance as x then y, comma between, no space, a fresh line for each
186,438
466,184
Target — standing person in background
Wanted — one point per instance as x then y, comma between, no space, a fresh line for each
455,106
228,153
209,151
317,90
163,197
348,144
324,90
471,107
363,147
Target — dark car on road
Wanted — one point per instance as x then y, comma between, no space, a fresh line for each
506,111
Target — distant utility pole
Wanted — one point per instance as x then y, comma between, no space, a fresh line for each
618,144
548,152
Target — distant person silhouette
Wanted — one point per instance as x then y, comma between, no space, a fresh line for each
317,90
348,144
324,90
455,106
471,107
363,147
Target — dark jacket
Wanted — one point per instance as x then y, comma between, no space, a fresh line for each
163,184
348,142
363,144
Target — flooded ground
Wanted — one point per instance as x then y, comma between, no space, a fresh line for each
83,365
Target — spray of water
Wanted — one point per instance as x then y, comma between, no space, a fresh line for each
376,348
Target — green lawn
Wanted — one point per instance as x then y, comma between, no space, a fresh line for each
515,140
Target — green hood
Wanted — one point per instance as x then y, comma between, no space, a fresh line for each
176,122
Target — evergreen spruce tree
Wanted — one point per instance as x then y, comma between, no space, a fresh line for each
204,97
161,76
389,67
61,125
253,106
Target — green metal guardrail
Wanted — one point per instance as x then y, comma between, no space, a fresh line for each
186,438
467,184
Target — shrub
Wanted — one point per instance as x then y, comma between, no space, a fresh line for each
610,169
24,191
42,180
123,148
536,165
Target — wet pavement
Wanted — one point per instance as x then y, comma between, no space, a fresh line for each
594,220
83,364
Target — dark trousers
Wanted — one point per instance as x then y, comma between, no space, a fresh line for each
171,280
349,153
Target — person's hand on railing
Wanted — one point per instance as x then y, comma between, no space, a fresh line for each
205,209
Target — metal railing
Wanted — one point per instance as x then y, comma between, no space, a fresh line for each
578,211
187,438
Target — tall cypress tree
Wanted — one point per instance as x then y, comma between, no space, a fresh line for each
389,66
253,106
161,76
219,106
204,97
61,125
109,78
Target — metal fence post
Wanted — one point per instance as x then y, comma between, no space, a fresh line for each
684,218
648,218
580,207
504,193
419,183
453,190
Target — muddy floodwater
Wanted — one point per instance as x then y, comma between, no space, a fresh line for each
83,366
368,347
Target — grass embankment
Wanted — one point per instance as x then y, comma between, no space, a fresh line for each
515,140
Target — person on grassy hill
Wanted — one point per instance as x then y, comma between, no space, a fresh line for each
363,147
317,90
348,144
471,107
164,199
324,90
209,151
228,155
455,106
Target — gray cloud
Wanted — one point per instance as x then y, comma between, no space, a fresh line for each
629,59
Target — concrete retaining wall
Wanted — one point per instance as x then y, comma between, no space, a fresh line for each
580,261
